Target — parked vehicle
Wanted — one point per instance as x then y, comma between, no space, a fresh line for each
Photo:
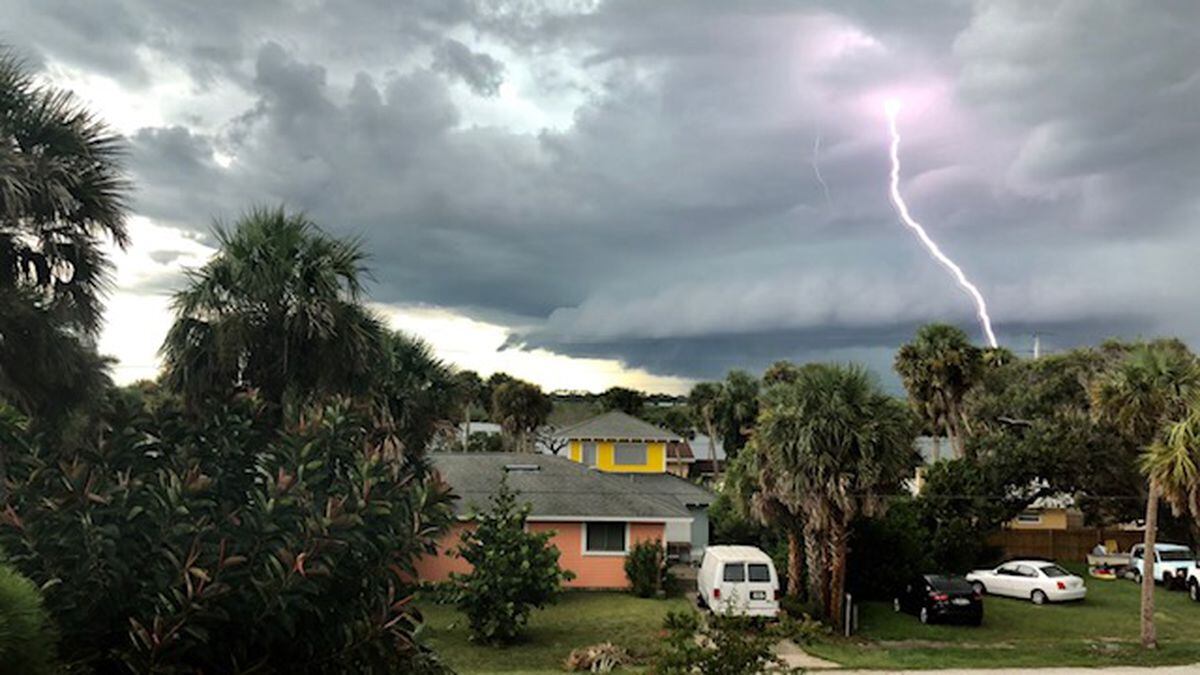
1039,581
738,580
1193,583
937,597
1171,562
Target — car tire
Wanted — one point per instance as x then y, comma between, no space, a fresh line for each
1038,597
1194,591
896,605
979,587
924,615
1137,577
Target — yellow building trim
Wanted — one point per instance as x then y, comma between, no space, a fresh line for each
576,453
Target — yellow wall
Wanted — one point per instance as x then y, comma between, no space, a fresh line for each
656,458
1052,519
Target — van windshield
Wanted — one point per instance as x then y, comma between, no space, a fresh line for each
759,572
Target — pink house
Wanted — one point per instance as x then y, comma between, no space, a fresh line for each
596,516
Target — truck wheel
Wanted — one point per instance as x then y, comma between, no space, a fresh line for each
1038,598
1137,577
924,615
1194,590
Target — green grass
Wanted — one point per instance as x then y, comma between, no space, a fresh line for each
577,620
1101,630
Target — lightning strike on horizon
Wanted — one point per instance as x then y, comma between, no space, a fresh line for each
891,108
816,165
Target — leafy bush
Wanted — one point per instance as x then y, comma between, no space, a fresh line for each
888,552
646,569
26,636
722,645
802,629
602,658
217,543
513,571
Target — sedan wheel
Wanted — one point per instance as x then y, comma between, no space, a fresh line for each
924,615
978,586
1038,597
896,605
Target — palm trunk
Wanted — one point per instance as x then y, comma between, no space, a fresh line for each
1149,635
795,565
818,572
712,449
837,581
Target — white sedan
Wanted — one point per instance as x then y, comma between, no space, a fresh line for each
1036,580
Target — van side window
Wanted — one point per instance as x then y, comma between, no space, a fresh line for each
759,572
734,572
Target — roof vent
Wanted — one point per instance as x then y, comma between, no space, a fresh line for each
521,468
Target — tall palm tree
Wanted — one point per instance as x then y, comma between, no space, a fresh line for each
62,192
704,403
831,446
1149,389
416,394
277,309
938,368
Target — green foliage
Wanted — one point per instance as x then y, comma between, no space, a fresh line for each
276,309
513,571
646,569
624,399
675,418
726,410
416,394
520,408
26,635
938,368
719,645
801,628
176,543
894,548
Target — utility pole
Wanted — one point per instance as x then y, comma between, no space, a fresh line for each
1037,346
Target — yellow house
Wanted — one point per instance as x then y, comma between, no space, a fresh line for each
618,442
1049,513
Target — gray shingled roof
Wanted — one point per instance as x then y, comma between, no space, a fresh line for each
559,487
615,425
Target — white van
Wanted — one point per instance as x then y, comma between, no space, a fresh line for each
739,580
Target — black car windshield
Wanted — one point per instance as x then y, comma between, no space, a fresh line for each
1055,571
950,584
1175,556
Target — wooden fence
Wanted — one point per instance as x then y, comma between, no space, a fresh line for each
1063,545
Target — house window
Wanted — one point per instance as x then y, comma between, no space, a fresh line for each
629,454
588,453
604,538
1029,518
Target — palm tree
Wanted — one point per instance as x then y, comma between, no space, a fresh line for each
738,410
831,447
62,192
1152,387
520,408
704,403
938,368
277,309
416,395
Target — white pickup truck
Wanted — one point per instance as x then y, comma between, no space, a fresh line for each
1170,560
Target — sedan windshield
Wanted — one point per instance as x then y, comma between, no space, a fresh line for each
1055,571
1175,556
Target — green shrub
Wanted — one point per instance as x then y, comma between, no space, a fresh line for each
26,637
801,629
646,569
721,645
513,571
218,543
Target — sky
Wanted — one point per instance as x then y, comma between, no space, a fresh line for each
588,193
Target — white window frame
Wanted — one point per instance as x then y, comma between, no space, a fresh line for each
584,540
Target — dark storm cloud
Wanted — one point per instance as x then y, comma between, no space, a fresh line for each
672,219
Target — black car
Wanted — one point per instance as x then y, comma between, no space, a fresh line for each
938,597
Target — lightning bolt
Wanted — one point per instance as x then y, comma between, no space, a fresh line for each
891,108
816,165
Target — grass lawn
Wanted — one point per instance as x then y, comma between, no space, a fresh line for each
1101,630
579,619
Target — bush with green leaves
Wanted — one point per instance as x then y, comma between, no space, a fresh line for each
514,571
646,568
715,645
217,543
26,635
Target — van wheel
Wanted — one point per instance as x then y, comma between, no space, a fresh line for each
896,603
700,601
924,615
1038,598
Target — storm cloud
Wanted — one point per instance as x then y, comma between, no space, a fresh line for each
634,180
